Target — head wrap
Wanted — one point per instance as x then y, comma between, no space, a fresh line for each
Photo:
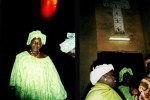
99,71
123,71
36,34
68,44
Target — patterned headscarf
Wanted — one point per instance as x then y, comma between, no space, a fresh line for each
68,44
36,34
123,71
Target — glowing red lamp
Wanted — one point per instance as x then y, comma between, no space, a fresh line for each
48,8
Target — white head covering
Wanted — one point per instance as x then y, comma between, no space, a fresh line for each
99,71
36,34
68,44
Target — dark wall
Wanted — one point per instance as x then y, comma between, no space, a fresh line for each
145,13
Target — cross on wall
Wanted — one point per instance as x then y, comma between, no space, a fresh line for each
117,5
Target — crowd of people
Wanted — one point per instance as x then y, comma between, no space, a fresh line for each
106,87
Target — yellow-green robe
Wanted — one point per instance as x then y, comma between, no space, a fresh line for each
102,92
36,78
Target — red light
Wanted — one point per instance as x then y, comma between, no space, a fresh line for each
48,8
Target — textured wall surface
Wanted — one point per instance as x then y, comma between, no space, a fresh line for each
132,25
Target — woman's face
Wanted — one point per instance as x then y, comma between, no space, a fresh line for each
109,78
127,78
35,44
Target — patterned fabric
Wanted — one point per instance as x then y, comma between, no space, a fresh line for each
144,89
102,92
36,78
125,90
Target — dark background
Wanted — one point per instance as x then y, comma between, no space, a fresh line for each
18,18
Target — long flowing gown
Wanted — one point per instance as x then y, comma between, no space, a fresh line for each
36,78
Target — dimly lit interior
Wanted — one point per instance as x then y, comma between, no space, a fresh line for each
96,26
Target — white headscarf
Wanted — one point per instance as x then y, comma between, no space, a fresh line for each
99,71
36,34
68,44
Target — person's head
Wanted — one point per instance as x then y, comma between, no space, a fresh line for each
36,39
103,74
125,75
